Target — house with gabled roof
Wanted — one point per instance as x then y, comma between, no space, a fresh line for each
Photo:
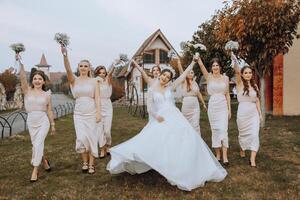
153,52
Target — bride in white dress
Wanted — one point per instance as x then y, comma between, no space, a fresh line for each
169,144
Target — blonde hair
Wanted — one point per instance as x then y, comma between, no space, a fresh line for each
90,74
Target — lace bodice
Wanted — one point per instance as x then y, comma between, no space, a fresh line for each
84,88
36,103
245,98
194,89
217,86
105,88
157,101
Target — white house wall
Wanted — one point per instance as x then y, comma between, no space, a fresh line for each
158,44
291,81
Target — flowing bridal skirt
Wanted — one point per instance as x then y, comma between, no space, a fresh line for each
173,148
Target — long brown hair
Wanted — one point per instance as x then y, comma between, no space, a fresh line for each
252,82
156,66
216,60
97,70
188,84
34,72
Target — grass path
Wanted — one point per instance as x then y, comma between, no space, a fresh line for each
277,175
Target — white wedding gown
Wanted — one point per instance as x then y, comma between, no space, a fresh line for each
173,148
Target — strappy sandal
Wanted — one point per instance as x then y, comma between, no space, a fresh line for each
107,150
85,167
242,154
102,153
49,168
250,163
34,180
91,169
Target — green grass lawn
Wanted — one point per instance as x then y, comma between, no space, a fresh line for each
277,175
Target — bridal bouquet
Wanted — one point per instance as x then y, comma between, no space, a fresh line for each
172,54
62,39
232,46
17,47
199,47
123,59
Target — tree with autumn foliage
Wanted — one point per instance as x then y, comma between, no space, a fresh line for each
9,80
263,28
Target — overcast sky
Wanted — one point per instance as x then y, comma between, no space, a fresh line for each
99,29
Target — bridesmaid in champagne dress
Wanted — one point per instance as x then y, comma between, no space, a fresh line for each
38,106
106,109
155,71
86,113
249,112
190,104
219,109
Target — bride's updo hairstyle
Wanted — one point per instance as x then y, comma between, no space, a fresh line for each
169,71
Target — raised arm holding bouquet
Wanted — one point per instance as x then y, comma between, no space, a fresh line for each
85,90
38,105
249,112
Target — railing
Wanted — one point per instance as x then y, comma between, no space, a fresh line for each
135,107
9,121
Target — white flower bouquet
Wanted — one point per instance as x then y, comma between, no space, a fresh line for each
121,62
199,47
172,54
17,47
231,46
62,39
123,57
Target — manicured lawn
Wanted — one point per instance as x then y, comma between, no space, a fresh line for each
277,175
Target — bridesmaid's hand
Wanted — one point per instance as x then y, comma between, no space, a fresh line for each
205,108
160,119
18,57
196,58
98,118
261,118
229,114
53,130
63,50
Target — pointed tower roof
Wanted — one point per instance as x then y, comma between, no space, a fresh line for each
43,62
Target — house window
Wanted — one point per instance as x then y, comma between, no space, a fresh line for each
149,57
163,56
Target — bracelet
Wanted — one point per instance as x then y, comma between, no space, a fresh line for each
53,124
